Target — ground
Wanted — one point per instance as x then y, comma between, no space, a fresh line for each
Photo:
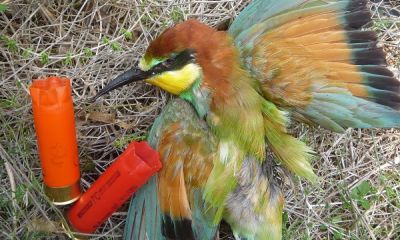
358,192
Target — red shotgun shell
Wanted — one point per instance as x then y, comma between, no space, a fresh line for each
114,187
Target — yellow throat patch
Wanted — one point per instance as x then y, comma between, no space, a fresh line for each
177,81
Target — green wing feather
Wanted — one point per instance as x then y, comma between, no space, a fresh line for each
171,205
314,60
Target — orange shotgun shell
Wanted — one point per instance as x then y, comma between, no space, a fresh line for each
53,115
114,187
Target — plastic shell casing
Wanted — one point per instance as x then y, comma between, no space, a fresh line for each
53,115
114,187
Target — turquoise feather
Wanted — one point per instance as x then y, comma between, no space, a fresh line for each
338,111
202,218
144,215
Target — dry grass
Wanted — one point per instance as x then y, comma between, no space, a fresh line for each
85,41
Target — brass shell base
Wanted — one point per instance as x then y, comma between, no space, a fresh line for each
63,195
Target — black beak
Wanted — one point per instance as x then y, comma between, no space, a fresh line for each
132,75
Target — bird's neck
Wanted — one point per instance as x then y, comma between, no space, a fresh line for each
199,97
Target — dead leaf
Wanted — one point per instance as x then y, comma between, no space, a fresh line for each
101,117
42,225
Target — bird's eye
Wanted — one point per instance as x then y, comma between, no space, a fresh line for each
168,62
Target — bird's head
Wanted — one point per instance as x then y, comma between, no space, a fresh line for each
177,58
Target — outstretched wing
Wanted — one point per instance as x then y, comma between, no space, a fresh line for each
313,59
170,205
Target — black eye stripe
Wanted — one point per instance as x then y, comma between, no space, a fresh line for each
177,62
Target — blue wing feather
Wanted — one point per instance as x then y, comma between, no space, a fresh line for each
372,101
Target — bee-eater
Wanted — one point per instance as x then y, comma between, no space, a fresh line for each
308,60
